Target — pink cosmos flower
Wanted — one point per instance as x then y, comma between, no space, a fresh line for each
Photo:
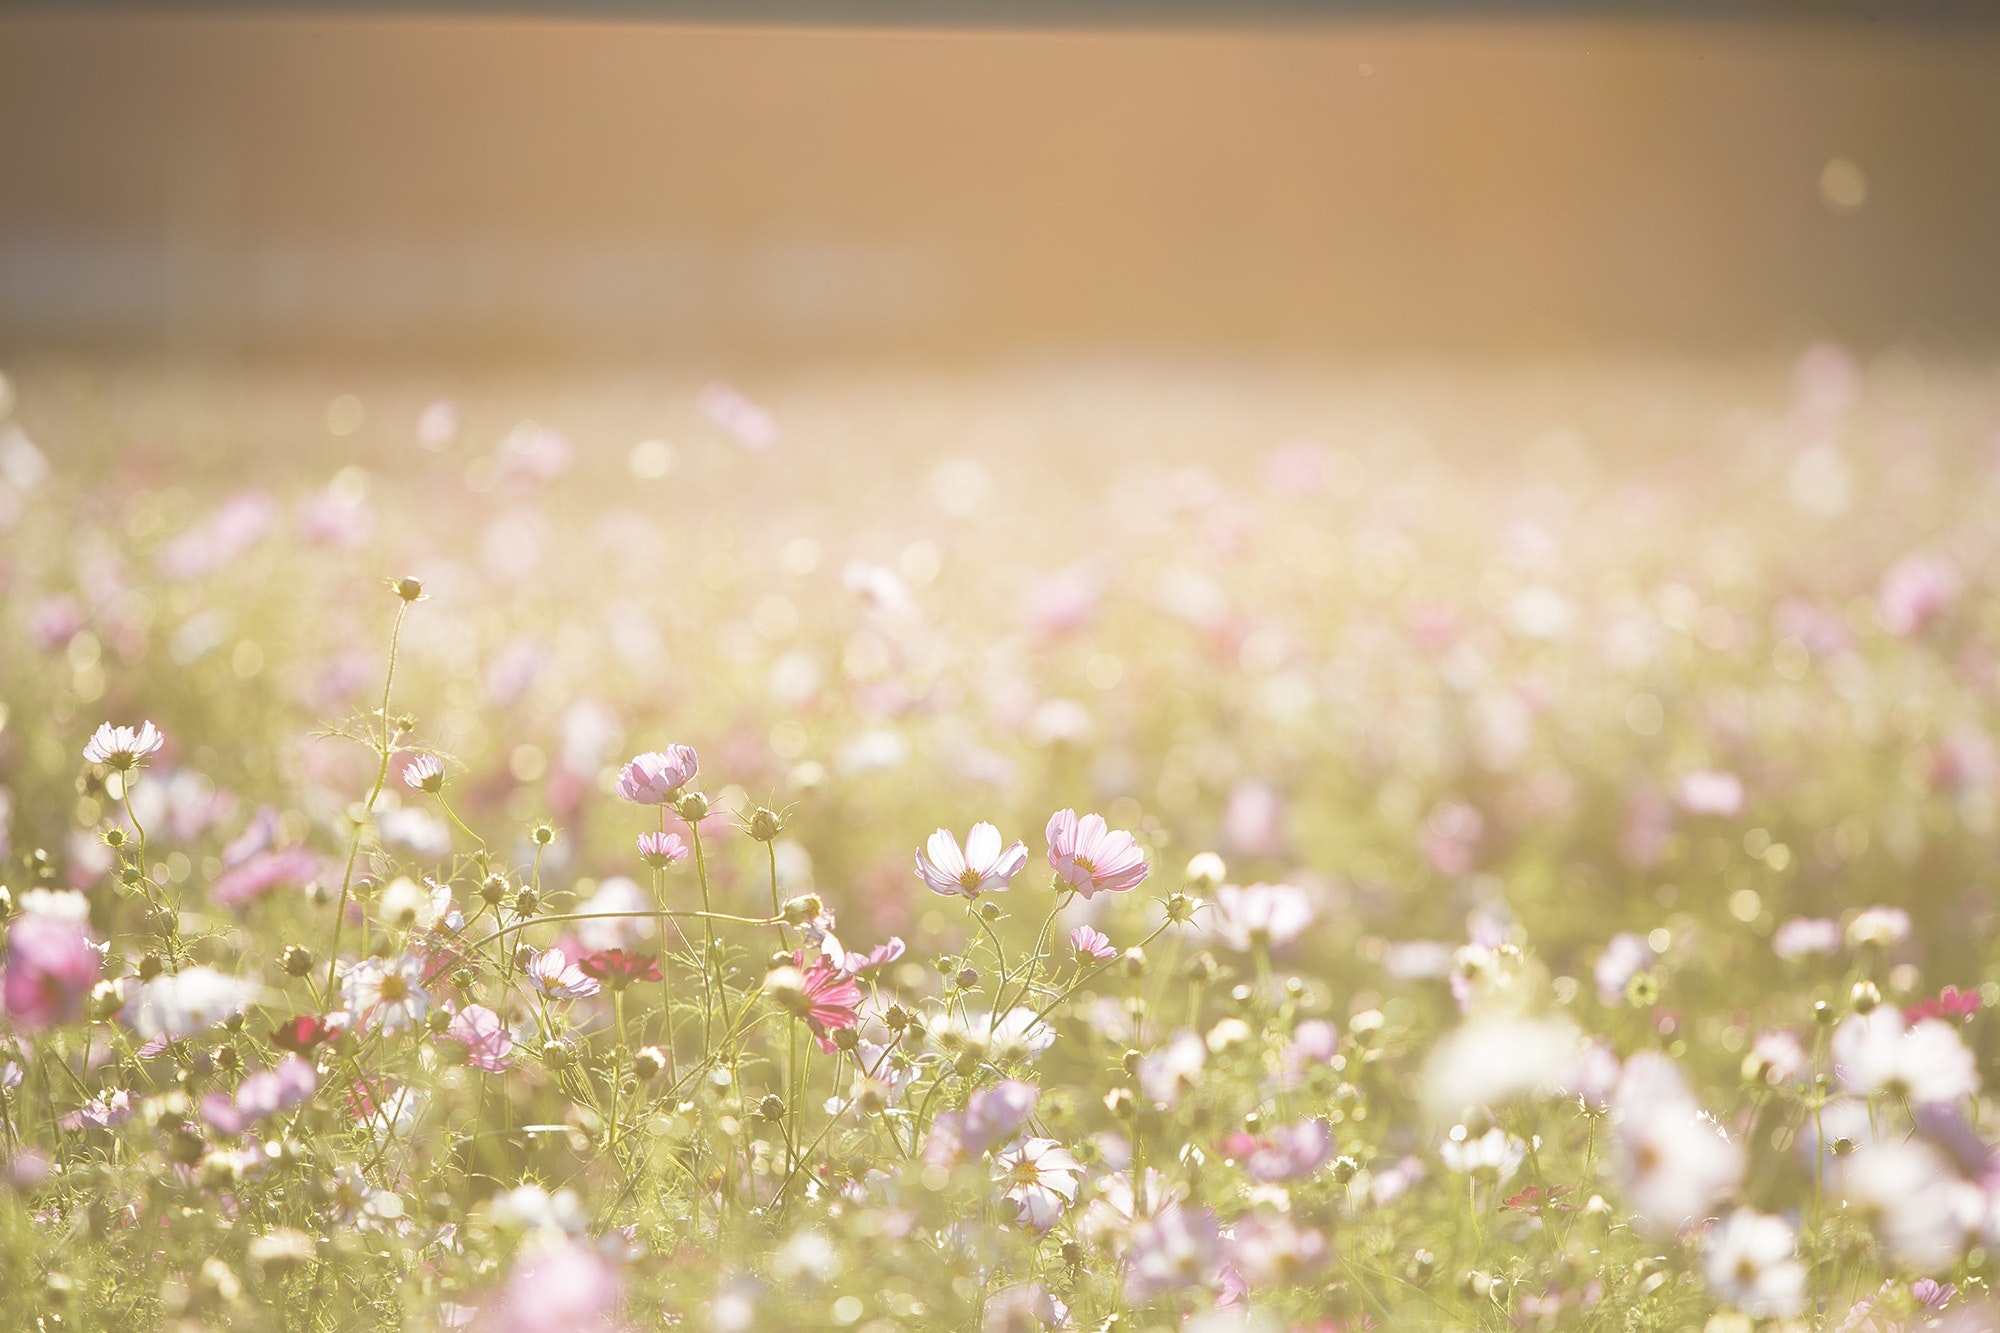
1174,1248
1285,1153
1266,1249
995,1114
619,968
660,850
552,973
51,966
424,772
569,1287
1092,943
653,778
122,747
981,868
488,1044
1950,1003
108,1108
260,872
1091,857
856,964
261,1096
821,995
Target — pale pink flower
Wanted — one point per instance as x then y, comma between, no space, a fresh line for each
488,1044
1915,590
1803,935
998,1113
1041,1179
1175,1248
567,1289
424,772
51,966
1285,1153
552,973
1625,957
1922,1062
1710,792
122,747
260,872
261,1096
855,964
1268,1249
1168,1072
653,778
1091,857
386,993
1259,915
660,850
983,867
1090,942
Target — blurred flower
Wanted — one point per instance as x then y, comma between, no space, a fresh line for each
424,772
1878,927
618,968
566,1287
1092,858
616,916
1752,1263
488,1044
1877,1053
983,867
259,872
1285,1153
1166,1073
180,1004
1951,1004
1672,1160
1495,1058
1267,916
1173,1249
1495,1155
1709,792
1803,935
742,420
50,969
123,747
1915,590
1915,1203
261,1096
653,778
1269,1249
1623,958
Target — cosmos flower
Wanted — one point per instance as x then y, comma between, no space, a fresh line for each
302,1033
1168,1072
1093,858
983,867
821,995
1950,1004
123,747
1752,1262
1673,1161
1285,1153
1173,1249
655,777
488,1044
424,772
660,850
1270,1248
386,994
1803,935
261,1096
1244,918
1710,792
1041,1179
51,966
619,968
1495,1155
177,1005
1089,942
552,973
1879,1053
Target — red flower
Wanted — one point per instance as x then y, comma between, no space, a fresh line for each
1951,1003
1534,1199
299,1035
618,968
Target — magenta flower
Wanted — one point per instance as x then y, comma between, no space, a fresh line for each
654,777
619,968
122,747
660,850
488,1044
994,1115
821,995
1093,858
567,1287
51,966
1092,943
981,868
260,872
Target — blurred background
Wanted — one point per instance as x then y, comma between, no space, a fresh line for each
466,186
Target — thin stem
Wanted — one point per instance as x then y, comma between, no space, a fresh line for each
367,808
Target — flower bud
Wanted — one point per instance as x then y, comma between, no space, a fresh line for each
989,911
692,806
409,589
438,1019
766,824
543,834
647,1062
296,960
527,902
1864,996
804,908
846,1039
114,838
772,1107
1118,1101
493,889
966,978
1181,907
555,1057
1133,962
150,966
1202,968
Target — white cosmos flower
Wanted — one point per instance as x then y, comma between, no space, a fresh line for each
1242,917
1041,1178
1876,1053
983,867
180,1004
122,747
1495,1155
1919,1207
386,993
61,904
1673,1161
1166,1073
1752,1263
1491,1060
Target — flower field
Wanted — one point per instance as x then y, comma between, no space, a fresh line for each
1081,847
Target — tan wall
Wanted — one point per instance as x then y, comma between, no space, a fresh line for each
1436,186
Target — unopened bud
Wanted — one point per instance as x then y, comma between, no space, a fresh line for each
150,966
766,824
1181,907
493,890
1133,962
772,1107
296,960
692,806
527,902
543,834
647,1062
1206,871
408,589
1864,996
